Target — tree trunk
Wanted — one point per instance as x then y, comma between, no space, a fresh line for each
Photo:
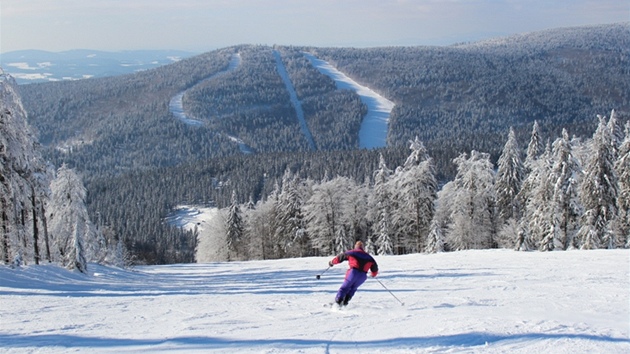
5,234
4,205
46,238
35,228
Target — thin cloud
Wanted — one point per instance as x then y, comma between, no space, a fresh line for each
202,24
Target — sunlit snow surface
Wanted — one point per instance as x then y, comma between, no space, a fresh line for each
491,301
373,131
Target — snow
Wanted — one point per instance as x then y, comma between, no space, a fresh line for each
26,66
373,131
189,216
481,301
176,106
31,76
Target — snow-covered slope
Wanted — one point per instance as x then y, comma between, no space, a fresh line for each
493,301
375,124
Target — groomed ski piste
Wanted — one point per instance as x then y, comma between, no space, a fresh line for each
373,130
477,301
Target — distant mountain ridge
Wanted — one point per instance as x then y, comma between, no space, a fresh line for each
454,98
31,66
602,37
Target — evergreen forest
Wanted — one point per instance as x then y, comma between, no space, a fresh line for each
520,142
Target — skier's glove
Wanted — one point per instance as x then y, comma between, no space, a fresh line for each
374,274
330,263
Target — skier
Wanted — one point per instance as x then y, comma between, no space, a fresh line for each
360,263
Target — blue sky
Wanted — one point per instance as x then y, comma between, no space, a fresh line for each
202,25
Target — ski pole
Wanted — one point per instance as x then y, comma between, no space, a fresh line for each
383,285
319,275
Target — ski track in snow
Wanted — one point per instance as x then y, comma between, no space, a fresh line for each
297,105
373,131
176,105
487,301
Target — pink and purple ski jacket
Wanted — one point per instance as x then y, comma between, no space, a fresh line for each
357,259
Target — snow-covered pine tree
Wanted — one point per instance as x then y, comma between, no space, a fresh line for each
250,203
234,229
529,235
121,257
23,179
397,222
599,192
443,209
533,198
258,229
565,175
510,176
538,215
384,244
507,231
324,213
616,131
341,240
435,239
523,239
70,225
414,190
290,223
622,167
271,248
380,206
543,219
115,251
283,234
381,178
536,146
473,217
77,254
370,246
5,204
418,154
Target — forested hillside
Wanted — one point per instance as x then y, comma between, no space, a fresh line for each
138,161
121,123
466,96
454,98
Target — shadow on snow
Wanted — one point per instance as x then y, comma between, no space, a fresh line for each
455,340
190,280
